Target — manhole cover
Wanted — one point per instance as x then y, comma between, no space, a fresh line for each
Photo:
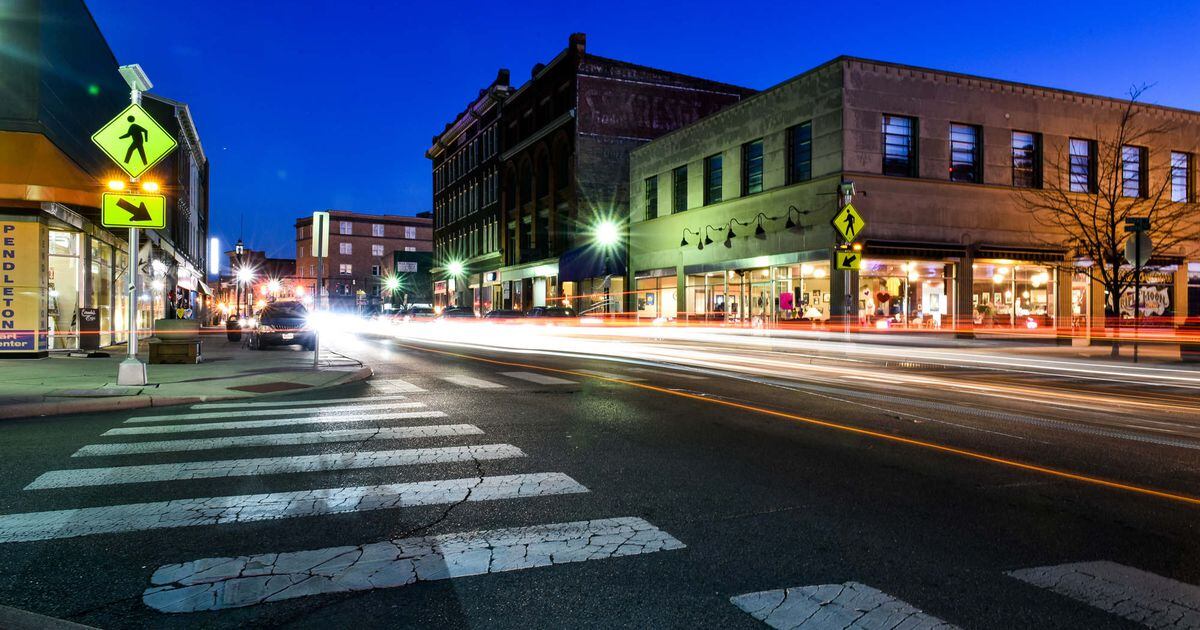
266,388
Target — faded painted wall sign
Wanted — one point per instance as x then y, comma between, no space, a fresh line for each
20,286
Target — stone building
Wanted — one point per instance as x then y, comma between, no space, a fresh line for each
730,216
361,248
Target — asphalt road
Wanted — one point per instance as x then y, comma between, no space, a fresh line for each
893,489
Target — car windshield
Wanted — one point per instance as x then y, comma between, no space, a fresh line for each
285,311
420,311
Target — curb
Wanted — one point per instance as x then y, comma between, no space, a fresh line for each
34,410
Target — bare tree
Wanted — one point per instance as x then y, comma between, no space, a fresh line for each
1083,210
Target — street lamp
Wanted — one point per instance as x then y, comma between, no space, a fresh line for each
237,286
607,233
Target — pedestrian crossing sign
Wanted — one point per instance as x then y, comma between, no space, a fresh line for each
134,211
848,260
134,140
848,223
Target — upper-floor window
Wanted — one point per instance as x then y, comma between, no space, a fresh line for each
376,249
410,232
713,172
899,146
800,153
1082,173
345,248
345,269
652,197
1026,159
409,248
374,270
1181,177
679,185
376,229
964,153
752,167
345,227
1133,160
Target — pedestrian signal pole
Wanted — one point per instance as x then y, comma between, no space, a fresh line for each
132,371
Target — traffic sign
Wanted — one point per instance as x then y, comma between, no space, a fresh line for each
133,211
1137,224
848,223
1138,249
320,247
847,260
134,140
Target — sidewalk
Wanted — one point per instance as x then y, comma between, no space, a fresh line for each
61,384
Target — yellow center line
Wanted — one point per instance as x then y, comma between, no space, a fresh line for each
1063,474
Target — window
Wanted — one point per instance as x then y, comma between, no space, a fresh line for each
1181,177
752,167
899,146
1132,162
800,153
1082,171
376,249
964,153
652,197
410,232
374,270
679,188
345,227
409,248
345,269
345,248
1026,159
376,229
712,179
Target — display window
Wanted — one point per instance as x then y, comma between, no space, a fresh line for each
656,297
1010,294
908,294
63,290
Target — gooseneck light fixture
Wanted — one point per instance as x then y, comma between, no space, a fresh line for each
759,231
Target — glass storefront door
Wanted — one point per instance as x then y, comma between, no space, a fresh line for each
63,285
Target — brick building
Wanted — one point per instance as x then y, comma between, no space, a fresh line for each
564,143
361,248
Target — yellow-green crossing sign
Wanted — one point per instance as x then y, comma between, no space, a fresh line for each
134,140
134,211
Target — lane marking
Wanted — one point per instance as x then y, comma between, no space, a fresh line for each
846,606
471,381
540,379
1010,463
1139,596
296,403
278,439
675,373
317,411
323,462
278,422
220,583
247,508
396,385
612,375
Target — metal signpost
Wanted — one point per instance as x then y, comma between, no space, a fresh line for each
1138,250
320,249
848,224
136,142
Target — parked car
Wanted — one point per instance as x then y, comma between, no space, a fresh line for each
504,313
552,312
419,313
281,324
457,312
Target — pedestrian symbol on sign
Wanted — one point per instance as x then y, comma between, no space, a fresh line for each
848,223
134,140
137,135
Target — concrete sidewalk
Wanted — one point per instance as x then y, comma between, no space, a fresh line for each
62,384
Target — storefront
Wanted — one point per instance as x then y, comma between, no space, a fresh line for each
906,293
1009,294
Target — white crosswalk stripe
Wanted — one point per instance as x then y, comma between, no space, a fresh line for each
219,583
317,411
395,385
294,403
278,439
471,381
847,606
540,379
623,377
1139,596
270,465
72,523
278,422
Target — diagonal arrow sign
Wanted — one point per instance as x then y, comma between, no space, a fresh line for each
136,213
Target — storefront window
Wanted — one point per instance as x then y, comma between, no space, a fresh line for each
121,303
911,294
1081,301
102,285
803,291
1014,295
657,298
1157,305
63,287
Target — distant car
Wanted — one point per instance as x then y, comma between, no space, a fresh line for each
457,312
552,312
419,313
504,313
282,324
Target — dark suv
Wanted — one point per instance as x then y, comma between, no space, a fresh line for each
282,324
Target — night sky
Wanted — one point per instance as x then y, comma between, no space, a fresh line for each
307,105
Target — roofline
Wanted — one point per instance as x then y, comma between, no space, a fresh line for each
184,113
721,84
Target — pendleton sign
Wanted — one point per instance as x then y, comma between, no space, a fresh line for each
21,273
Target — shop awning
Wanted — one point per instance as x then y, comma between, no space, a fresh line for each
205,289
590,261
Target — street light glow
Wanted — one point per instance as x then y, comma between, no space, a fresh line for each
391,283
455,268
607,233
245,274
274,286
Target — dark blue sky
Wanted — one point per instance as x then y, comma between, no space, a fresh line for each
305,105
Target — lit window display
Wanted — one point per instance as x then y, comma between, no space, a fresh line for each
63,286
656,297
803,292
1014,295
755,297
910,294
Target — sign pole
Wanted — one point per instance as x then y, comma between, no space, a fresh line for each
1137,292
320,226
132,371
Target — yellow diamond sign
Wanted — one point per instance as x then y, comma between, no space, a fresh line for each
848,260
135,211
134,140
848,223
